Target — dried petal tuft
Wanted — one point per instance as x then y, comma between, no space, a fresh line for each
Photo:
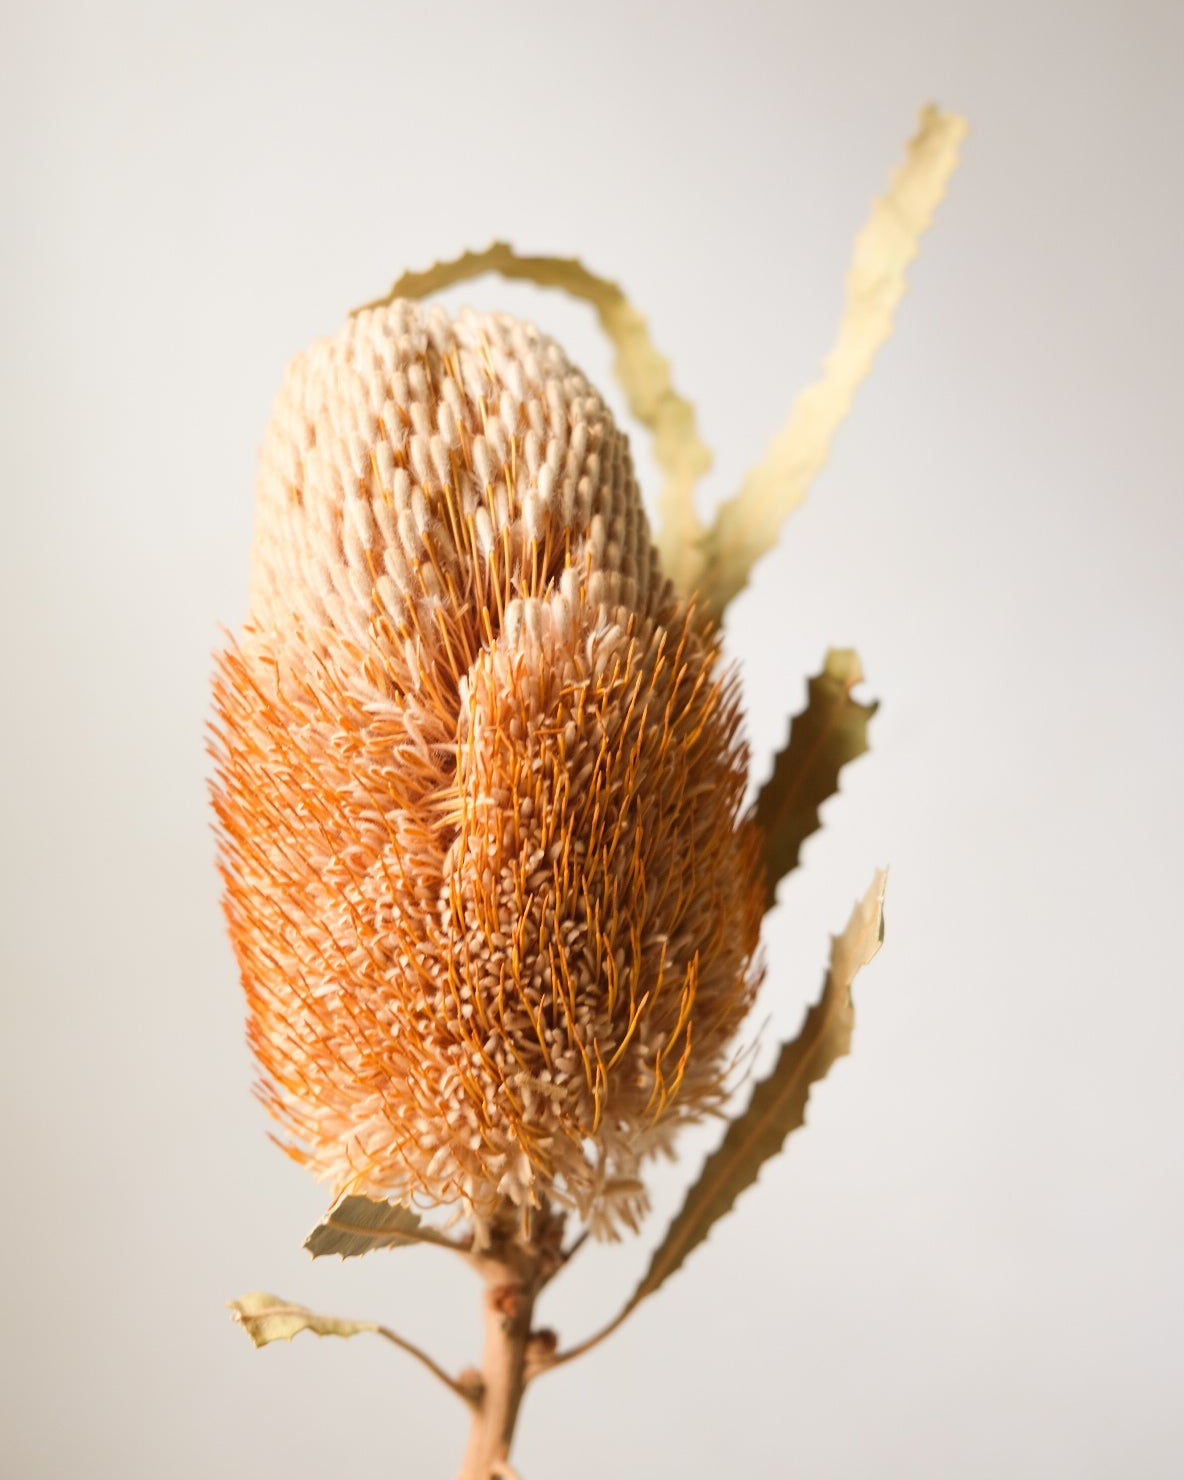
479,784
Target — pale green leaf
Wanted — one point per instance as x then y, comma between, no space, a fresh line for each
748,525
268,1318
355,1225
777,1107
778,1104
829,732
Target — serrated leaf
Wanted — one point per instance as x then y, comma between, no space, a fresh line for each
748,525
829,732
267,1318
355,1225
778,1104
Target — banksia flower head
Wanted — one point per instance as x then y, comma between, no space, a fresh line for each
489,875
493,896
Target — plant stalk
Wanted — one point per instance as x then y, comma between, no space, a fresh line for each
509,1307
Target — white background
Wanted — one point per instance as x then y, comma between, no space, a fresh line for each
969,1264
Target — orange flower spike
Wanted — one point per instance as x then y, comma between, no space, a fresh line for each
493,898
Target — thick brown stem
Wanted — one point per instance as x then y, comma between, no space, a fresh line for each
509,1305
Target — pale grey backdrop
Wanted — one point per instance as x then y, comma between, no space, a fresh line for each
969,1264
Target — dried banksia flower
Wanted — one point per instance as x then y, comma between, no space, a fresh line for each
493,898
490,876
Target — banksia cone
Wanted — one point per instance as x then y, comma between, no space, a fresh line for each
493,897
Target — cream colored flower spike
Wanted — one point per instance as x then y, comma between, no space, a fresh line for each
407,441
480,784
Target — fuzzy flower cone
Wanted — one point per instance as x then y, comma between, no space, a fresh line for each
492,894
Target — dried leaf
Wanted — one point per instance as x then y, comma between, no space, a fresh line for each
355,1225
829,732
643,373
747,526
268,1318
778,1104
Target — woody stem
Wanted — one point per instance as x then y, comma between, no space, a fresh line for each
509,1306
